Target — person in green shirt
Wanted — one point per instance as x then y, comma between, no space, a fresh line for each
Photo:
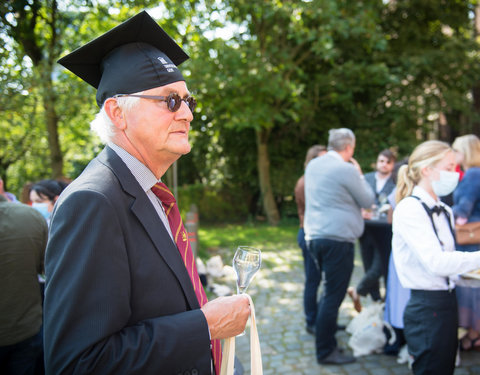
23,239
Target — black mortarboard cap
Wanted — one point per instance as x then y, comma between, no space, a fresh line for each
134,56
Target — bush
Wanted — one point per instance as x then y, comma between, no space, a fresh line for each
214,206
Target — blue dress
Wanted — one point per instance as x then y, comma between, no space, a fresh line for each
397,296
466,199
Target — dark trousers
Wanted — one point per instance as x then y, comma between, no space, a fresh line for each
21,358
375,248
312,281
335,259
431,321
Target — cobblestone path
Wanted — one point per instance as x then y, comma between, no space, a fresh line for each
277,291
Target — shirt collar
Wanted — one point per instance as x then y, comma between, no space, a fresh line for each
335,154
425,197
140,171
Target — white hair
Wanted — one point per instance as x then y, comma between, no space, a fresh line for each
338,139
103,126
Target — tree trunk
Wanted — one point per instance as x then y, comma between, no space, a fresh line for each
263,165
51,120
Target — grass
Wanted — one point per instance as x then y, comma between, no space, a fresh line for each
223,240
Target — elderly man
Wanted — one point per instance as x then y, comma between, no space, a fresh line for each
335,192
123,294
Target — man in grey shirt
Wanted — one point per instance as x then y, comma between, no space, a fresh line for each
335,192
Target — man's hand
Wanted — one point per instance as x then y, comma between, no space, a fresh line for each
367,214
356,165
227,316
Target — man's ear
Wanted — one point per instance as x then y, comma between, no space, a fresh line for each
115,113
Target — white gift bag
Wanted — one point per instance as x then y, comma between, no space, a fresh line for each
228,356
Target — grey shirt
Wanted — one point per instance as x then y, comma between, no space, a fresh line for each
334,194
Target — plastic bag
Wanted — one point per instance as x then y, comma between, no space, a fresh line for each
367,331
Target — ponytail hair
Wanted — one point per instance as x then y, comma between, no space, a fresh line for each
425,154
405,185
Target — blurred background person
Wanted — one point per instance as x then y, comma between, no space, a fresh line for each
424,253
396,296
466,199
43,195
8,196
312,275
335,192
23,239
375,242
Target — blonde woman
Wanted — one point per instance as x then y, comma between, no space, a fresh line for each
466,199
424,253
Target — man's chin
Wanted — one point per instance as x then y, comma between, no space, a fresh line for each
384,173
187,149
183,150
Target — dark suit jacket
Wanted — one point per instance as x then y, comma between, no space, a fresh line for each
118,297
372,181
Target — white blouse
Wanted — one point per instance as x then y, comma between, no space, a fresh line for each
420,260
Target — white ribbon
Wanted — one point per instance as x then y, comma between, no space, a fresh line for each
228,355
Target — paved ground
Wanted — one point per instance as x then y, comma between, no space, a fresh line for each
286,347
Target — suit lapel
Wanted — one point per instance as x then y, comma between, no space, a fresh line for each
143,209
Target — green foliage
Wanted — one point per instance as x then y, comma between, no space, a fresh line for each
289,70
35,34
214,205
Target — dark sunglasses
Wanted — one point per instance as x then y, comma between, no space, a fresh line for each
174,101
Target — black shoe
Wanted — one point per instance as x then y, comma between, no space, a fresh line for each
336,357
310,329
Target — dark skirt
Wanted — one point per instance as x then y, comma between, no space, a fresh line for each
431,323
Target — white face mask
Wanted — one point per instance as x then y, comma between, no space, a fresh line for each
446,184
43,209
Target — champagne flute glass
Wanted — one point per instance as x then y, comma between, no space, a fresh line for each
246,263
382,199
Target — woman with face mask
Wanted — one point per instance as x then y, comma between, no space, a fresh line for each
44,194
423,247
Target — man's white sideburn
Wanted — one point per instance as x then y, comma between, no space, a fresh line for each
102,126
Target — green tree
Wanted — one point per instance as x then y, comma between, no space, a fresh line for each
271,79
433,59
35,34
287,74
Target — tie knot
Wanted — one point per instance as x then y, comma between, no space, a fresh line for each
163,193
438,210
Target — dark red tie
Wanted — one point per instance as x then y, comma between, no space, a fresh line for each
181,239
